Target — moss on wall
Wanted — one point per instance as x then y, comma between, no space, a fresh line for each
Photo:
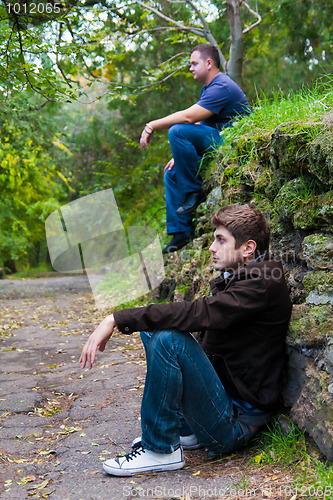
288,174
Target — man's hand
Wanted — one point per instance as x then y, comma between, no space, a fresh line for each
145,138
169,165
98,339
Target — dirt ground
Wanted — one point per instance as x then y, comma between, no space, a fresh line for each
58,423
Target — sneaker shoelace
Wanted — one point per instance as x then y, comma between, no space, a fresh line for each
137,450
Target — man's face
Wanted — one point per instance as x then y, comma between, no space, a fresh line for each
199,66
225,255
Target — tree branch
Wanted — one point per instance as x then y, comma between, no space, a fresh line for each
182,27
256,14
202,32
57,58
149,85
39,106
24,69
208,35
173,57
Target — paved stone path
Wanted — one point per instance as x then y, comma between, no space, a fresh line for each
59,423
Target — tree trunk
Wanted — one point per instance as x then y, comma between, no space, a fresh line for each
36,254
235,63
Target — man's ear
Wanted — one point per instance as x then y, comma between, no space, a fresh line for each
209,63
249,248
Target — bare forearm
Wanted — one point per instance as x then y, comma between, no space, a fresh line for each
190,115
167,121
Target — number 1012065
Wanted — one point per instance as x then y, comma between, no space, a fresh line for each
32,8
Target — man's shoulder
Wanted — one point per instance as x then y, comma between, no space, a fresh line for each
265,271
266,268
222,79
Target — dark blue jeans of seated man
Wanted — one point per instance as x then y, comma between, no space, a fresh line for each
188,145
181,380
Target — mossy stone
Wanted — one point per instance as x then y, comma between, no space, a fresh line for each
319,281
291,196
269,182
318,251
213,202
262,147
321,158
310,325
203,225
316,212
289,148
238,194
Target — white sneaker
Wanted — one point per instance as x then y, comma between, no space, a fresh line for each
186,442
141,460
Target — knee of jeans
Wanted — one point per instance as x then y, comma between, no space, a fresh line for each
170,177
174,130
163,337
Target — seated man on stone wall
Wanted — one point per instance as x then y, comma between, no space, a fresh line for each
218,392
192,132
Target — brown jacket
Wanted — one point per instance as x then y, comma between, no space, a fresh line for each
244,324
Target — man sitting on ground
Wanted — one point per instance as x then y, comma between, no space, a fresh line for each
218,392
192,132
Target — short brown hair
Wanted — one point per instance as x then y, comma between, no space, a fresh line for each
209,51
244,222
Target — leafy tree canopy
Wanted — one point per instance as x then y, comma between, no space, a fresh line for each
47,46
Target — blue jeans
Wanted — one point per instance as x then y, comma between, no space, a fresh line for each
188,144
182,381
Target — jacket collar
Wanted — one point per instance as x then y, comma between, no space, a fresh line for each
219,283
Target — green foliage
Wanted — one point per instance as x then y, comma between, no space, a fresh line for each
30,189
25,271
294,194
27,41
291,47
289,448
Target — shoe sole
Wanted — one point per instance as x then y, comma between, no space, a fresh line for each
174,248
190,210
192,447
126,472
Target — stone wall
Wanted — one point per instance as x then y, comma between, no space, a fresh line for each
289,175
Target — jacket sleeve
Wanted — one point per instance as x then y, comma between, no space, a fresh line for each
241,300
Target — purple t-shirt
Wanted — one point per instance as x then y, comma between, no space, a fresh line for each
225,99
